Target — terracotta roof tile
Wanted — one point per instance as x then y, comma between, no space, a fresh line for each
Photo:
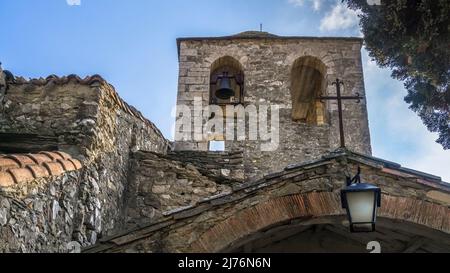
38,171
40,158
6,179
76,163
22,168
54,168
61,80
22,160
67,165
21,175
7,163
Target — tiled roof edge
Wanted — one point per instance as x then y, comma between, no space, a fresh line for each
17,169
131,110
90,80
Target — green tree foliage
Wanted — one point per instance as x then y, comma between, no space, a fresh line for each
411,37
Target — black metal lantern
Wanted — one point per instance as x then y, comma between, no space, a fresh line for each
361,200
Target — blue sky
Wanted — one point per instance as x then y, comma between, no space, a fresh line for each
132,45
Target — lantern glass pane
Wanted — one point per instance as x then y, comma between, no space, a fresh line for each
361,206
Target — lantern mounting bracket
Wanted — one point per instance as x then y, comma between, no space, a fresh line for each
356,179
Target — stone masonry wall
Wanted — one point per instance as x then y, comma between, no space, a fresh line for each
267,64
82,114
63,112
160,184
38,202
223,166
304,193
92,124
49,215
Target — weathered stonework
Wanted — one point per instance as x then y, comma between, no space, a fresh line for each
267,62
224,166
301,196
159,184
81,169
86,119
47,214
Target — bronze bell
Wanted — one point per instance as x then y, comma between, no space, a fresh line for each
225,92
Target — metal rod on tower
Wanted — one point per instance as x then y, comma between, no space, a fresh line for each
341,121
339,99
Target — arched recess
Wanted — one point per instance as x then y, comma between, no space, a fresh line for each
314,205
233,68
307,83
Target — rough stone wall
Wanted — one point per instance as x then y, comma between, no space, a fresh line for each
267,65
47,215
62,112
91,123
87,117
118,134
227,167
159,184
300,194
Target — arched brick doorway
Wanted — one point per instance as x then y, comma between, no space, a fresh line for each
428,223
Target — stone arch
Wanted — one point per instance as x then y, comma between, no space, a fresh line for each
307,82
234,68
226,60
324,57
314,205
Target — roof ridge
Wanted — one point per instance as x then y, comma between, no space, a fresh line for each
60,80
89,80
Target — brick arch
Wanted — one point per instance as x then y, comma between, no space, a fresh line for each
314,205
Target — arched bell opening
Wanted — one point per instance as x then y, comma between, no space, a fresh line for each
226,82
307,84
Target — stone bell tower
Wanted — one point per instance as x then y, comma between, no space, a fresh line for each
289,72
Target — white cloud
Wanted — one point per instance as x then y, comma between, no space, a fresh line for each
73,2
434,160
316,4
340,17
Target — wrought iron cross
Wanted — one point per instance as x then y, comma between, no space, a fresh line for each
339,99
